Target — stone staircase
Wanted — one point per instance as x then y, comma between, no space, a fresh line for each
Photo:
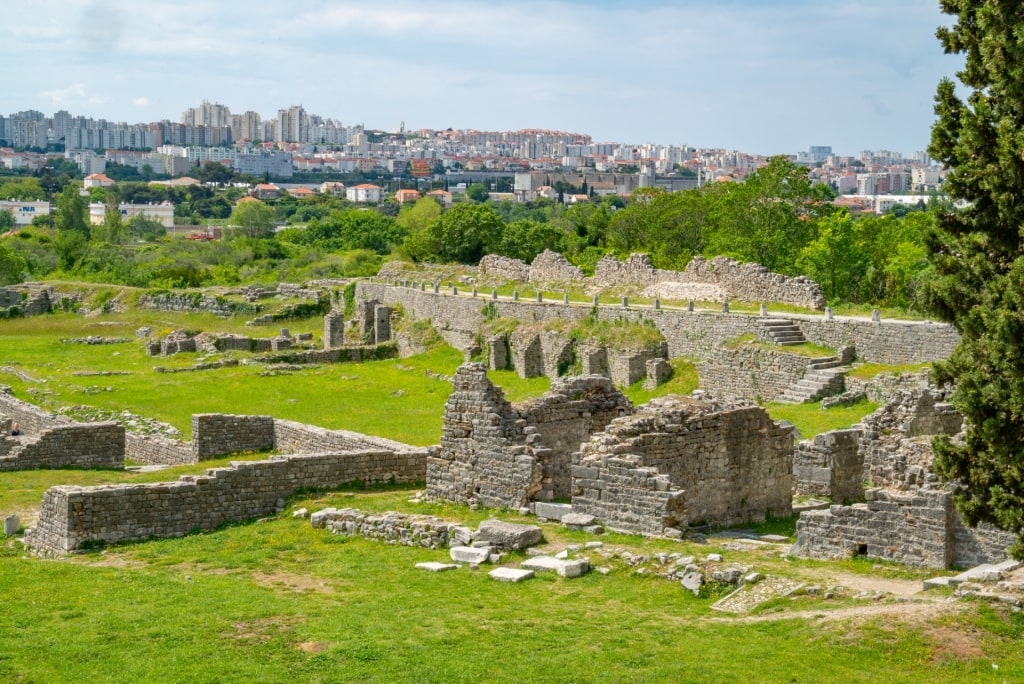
824,378
783,332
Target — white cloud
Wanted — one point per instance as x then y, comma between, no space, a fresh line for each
140,101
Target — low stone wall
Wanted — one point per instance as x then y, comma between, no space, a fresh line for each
75,516
750,372
30,418
919,528
300,438
680,461
693,334
374,352
92,445
155,450
883,386
424,531
195,302
216,434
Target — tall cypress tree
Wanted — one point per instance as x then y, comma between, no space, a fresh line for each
978,253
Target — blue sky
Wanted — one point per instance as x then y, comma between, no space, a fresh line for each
755,75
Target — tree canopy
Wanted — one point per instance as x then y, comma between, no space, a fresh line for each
978,256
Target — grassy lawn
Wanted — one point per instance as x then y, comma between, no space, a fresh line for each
279,601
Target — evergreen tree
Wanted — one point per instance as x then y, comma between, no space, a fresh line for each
978,255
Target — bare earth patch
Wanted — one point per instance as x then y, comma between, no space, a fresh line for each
953,644
292,582
312,647
263,629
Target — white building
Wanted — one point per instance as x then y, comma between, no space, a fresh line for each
162,213
24,212
365,193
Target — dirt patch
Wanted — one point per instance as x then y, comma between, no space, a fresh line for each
871,584
292,582
263,629
953,644
903,612
312,647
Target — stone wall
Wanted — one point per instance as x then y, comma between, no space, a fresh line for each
732,280
499,266
750,372
300,438
195,302
883,386
424,531
681,461
216,434
552,267
31,419
500,455
830,465
919,528
693,334
75,516
92,445
155,450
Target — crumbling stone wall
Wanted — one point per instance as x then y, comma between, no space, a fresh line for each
565,417
74,516
156,450
504,267
896,441
919,528
80,445
733,280
750,372
694,334
912,519
195,302
883,386
830,465
680,461
500,455
423,531
552,267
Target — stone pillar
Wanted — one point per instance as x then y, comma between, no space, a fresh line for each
657,304
565,298
498,353
876,316
381,324
689,306
828,313
540,296
597,301
494,293
625,302
764,309
725,306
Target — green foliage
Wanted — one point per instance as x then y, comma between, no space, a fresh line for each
619,334
978,259
352,229
810,420
13,266
463,234
253,218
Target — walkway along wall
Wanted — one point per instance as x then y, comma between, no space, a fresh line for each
73,517
695,334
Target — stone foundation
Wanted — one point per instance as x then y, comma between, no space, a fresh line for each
80,445
750,372
73,517
830,465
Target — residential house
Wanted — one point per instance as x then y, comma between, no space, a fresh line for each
365,193
406,195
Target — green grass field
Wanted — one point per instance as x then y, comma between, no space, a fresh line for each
277,601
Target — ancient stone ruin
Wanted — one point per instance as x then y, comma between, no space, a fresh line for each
909,514
499,455
679,462
717,279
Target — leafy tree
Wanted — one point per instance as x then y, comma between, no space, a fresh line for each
978,256
143,228
526,239
24,189
836,259
12,266
71,215
463,234
6,221
477,192
253,218
771,216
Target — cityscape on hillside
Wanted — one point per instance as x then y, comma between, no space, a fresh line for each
298,143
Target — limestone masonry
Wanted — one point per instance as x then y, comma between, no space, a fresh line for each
75,516
688,333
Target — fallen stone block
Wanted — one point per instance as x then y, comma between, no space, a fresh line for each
563,567
551,511
11,525
470,554
320,518
937,582
578,521
509,535
510,574
692,581
434,566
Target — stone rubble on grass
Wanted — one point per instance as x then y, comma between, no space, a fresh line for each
567,568
474,555
510,536
510,574
433,566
